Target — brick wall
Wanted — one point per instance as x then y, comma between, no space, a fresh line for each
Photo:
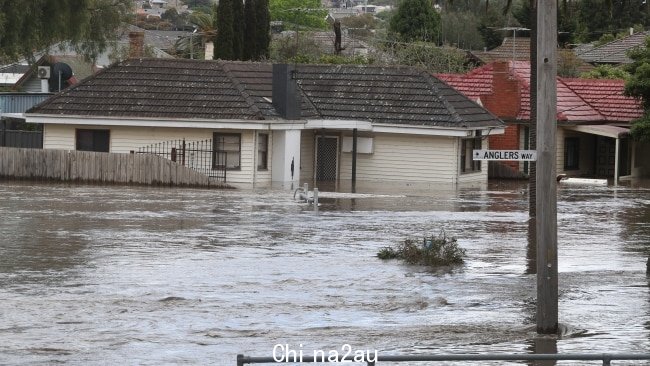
505,98
504,102
508,141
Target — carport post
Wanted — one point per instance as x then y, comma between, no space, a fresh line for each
616,156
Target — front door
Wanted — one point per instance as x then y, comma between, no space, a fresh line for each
326,158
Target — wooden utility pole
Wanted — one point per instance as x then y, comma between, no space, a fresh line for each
547,281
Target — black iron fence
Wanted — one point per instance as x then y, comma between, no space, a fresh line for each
196,155
24,139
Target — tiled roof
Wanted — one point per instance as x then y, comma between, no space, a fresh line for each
391,95
614,52
169,88
578,100
607,97
176,88
517,48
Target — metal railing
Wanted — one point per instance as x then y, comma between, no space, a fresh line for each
606,358
196,155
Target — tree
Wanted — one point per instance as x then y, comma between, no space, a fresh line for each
300,13
237,29
225,31
606,72
429,57
250,30
263,31
192,46
415,20
638,86
89,26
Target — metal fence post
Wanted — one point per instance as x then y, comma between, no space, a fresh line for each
183,153
315,199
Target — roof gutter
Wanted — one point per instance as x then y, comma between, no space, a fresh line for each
240,124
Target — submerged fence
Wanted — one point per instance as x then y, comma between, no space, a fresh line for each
98,167
200,156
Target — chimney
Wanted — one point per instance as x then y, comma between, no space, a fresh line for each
285,91
136,44
631,31
505,99
209,50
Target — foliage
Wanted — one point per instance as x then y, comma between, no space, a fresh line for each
606,72
568,63
192,46
597,17
489,28
302,13
250,30
428,57
224,41
293,46
197,3
366,21
415,20
121,53
638,86
89,26
461,29
263,31
431,251
238,29
641,128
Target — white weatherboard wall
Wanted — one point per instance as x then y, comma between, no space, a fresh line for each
402,157
307,154
124,139
286,147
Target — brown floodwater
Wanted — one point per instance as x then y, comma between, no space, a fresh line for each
95,275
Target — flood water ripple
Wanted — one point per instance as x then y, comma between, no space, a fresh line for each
105,275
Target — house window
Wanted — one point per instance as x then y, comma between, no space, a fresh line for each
93,140
227,151
571,153
262,151
467,163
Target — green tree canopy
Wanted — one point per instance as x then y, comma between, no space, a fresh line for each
263,31
638,86
606,72
415,20
223,48
303,13
89,26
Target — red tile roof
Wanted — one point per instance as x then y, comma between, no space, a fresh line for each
578,100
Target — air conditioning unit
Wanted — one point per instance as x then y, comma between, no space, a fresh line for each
44,72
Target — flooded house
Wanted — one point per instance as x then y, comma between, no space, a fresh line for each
593,120
265,123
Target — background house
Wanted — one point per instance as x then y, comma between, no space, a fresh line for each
278,124
593,119
614,53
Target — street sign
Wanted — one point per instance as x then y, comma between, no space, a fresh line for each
514,155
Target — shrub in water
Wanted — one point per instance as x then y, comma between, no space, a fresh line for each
431,251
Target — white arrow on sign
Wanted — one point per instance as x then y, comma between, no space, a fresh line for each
511,155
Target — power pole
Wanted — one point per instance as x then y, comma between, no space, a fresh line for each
547,274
